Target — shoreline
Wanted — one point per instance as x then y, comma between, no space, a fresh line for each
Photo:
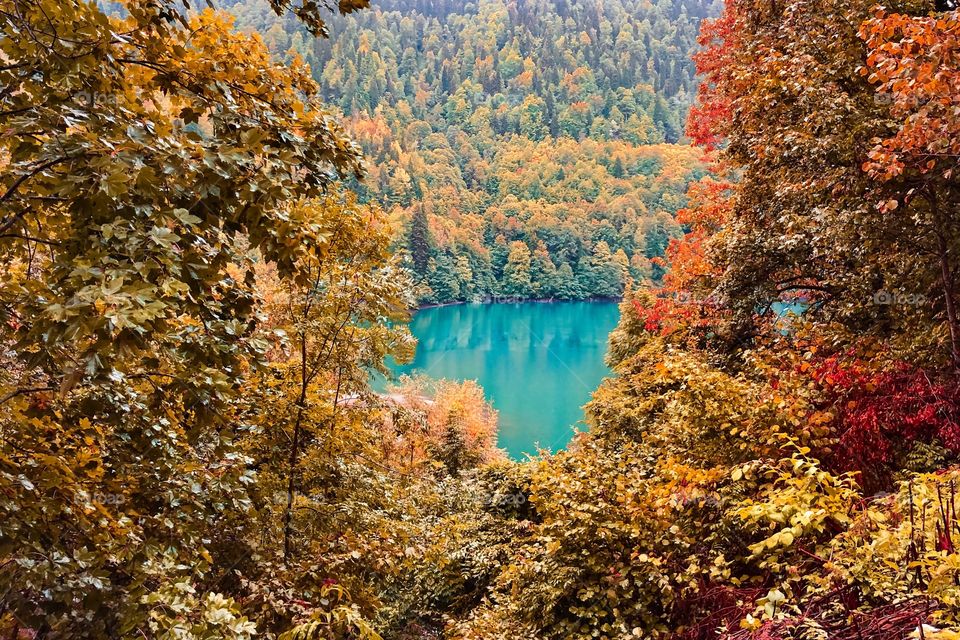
510,300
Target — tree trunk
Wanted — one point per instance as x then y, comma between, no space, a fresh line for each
292,459
942,227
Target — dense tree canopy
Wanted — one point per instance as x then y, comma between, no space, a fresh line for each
500,122
151,165
536,67
776,456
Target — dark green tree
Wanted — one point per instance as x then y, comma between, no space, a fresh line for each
418,240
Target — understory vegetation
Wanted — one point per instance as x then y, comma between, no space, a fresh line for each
193,298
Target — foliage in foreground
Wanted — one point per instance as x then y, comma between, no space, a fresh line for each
776,456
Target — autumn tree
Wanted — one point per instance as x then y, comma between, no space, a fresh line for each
151,161
544,280
516,273
440,423
764,393
314,417
452,131
915,63
809,190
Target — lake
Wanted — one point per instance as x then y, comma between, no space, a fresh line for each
537,362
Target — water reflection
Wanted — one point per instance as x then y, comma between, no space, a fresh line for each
537,362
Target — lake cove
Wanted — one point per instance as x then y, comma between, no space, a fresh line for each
538,362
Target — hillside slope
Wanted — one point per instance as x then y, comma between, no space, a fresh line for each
510,139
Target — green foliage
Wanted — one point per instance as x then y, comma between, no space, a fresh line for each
418,241
543,63
459,109
516,273
604,235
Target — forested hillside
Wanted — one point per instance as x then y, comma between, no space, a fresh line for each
508,139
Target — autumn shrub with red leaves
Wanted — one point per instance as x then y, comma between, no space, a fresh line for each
716,606
880,417
896,621
686,300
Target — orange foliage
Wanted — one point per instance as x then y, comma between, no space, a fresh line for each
711,113
439,422
916,63
685,299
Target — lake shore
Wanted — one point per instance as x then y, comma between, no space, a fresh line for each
512,300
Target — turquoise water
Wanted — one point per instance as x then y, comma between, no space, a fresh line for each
537,362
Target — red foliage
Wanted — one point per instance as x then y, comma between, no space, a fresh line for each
714,607
691,267
890,622
878,414
712,112
667,315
